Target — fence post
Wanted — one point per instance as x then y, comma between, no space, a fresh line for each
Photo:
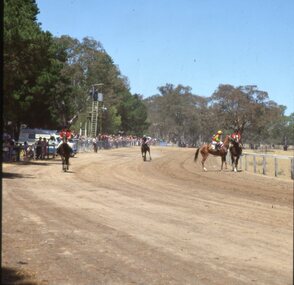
263,165
254,163
292,168
276,167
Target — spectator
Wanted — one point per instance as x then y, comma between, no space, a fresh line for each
44,149
95,144
39,148
25,148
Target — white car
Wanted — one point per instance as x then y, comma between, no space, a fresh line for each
73,146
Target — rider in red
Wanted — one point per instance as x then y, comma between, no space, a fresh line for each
65,133
236,135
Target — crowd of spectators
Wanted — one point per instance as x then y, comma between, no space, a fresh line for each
14,151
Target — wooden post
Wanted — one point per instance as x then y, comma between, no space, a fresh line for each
276,167
263,165
292,168
254,163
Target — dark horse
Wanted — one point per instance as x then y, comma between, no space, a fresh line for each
207,149
64,150
144,149
235,152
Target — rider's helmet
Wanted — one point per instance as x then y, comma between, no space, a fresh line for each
219,132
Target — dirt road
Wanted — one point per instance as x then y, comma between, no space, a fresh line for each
114,219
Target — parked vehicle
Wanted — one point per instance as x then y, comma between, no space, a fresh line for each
32,135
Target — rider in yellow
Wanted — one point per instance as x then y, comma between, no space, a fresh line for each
217,140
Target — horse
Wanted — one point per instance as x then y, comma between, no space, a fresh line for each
235,151
144,149
64,151
207,149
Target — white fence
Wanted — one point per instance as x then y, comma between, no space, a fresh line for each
267,164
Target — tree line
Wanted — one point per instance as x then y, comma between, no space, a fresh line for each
180,116
48,80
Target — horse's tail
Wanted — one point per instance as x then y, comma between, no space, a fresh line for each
196,154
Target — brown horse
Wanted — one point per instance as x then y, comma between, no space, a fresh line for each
235,152
144,149
64,150
207,149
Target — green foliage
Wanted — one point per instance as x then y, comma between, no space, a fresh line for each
28,62
175,115
133,113
88,64
47,80
246,108
179,116
112,121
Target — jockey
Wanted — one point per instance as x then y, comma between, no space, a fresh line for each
236,136
216,140
65,135
146,140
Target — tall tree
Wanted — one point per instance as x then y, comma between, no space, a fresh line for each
27,58
133,113
245,107
175,114
88,64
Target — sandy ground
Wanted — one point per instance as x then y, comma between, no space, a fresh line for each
114,219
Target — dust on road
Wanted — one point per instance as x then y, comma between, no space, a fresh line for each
114,219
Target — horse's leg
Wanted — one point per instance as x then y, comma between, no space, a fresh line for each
223,161
67,163
204,157
63,164
149,154
236,163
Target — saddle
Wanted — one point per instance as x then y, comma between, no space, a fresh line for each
216,147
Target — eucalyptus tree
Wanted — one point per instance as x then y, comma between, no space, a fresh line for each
175,114
245,107
281,131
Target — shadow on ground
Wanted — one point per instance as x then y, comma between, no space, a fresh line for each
9,175
10,276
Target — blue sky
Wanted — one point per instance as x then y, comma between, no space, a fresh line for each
196,43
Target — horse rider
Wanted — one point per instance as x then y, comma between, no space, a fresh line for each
217,140
236,136
65,132
146,140
65,135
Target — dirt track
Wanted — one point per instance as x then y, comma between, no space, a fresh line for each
114,219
